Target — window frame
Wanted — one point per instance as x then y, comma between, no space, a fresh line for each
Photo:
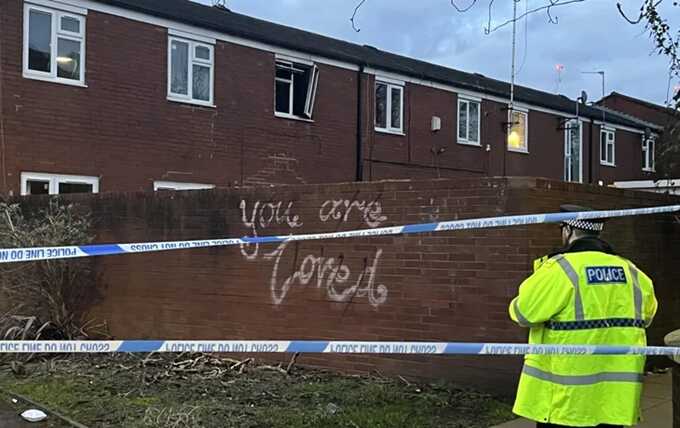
511,123
161,185
192,60
56,179
603,155
312,88
466,141
56,33
646,144
567,137
389,129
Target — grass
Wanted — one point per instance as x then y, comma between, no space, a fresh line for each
114,391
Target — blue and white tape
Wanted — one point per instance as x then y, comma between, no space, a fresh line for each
322,347
11,255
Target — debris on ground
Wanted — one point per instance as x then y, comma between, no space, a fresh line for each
198,390
34,415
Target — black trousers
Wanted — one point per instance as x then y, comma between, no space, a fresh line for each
540,425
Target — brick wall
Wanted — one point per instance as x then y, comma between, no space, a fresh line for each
452,286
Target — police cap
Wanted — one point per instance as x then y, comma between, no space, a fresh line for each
591,225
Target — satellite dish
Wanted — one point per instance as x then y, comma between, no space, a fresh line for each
584,97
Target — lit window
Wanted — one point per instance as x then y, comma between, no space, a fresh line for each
174,185
468,122
517,132
296,86
54,45
190,71
389,107
648,153
607,147
36,183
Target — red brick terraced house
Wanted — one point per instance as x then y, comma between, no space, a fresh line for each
126,95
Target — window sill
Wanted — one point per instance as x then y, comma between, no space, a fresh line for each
648,169
59,81
467,143
292,117
192,102
524,152
611,165
389,131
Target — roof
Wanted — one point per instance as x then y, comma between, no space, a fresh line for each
657,107
235,24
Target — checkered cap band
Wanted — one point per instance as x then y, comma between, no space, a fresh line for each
585,225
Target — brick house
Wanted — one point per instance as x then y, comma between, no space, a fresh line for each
650,112
661,116
124,95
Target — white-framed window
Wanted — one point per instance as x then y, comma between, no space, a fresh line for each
39,183
389,107
191,74
54,45
648,145
518,131
469,119
573,151
296,86
177,185
608,147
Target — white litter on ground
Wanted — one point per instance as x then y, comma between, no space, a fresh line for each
34,415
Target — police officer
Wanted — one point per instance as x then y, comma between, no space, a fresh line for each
583,294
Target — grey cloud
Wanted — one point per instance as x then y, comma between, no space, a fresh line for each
589,36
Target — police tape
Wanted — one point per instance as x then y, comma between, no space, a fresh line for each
321,347
12,255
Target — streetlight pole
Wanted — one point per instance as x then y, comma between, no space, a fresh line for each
601,73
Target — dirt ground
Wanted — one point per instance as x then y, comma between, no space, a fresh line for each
172,391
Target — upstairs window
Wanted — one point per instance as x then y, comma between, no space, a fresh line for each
517,133
296,86
35,183
389,107
607,147
190,71
648,153
468,122
54,45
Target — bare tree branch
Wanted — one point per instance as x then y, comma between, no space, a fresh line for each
463,9
354,15
547,7
625,16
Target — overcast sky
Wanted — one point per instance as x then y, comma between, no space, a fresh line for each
589,36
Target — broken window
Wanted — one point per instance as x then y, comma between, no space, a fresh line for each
296,86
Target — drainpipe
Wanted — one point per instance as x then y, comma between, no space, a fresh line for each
360,113
3,148
590,151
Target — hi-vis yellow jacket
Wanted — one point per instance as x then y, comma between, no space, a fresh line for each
584,298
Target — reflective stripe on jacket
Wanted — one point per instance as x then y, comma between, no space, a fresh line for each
589,298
